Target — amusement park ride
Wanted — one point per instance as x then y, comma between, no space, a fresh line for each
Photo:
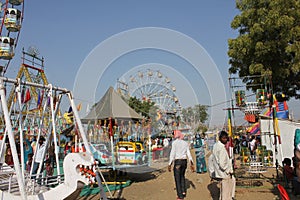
31,103
267,106
12,17
264,100
251,109
31,70
154,86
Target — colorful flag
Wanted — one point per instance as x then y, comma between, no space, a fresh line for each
254,129
15,98
22,95
40,99
48,101
27,96
69,118
276,126
70,109
230,143
229,124
79,107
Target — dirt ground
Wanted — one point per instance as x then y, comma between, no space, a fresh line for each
159,184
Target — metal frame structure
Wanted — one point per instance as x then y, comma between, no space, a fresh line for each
9,129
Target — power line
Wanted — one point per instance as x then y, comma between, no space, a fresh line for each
217,104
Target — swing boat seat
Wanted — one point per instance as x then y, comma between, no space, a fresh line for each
7,179
256,168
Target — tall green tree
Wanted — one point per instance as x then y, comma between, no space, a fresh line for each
195,116
145,108
200,113
187,114
268,44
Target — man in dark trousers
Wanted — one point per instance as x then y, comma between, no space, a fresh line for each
180,152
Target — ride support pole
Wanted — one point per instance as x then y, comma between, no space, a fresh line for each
102,192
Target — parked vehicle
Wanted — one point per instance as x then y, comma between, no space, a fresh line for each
100,147
131,153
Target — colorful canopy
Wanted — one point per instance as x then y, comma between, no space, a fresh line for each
254,129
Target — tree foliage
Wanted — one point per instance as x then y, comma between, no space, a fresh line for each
268,44
196,115
145,108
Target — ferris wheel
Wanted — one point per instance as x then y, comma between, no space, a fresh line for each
11,21
153,86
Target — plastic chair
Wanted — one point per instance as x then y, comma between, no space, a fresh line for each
283,194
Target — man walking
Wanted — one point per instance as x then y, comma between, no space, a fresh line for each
223,168
180,152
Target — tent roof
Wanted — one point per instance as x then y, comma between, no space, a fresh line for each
111,105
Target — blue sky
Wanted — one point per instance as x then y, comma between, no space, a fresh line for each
68,33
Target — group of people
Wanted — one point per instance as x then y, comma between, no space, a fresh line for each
34,155
221,164
251,142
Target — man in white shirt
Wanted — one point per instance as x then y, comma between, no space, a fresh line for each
252,146
39,155
167,148
166,142
223,168
180,152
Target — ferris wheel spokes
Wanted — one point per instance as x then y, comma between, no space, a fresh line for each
12,17
153,86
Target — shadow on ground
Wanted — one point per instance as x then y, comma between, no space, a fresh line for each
214,190
141,173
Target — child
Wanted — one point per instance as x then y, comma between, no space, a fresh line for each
29,162
288,170
8,157
49,168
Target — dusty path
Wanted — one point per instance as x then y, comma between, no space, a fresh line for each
199,187
160,185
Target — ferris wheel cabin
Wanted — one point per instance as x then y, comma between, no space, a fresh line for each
16,2
6,48
12,20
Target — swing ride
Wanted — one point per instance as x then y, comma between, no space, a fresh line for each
31,70
78,168
31,97
32,109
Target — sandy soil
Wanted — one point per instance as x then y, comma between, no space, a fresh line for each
159,184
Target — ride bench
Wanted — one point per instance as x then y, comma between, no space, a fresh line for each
256,168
